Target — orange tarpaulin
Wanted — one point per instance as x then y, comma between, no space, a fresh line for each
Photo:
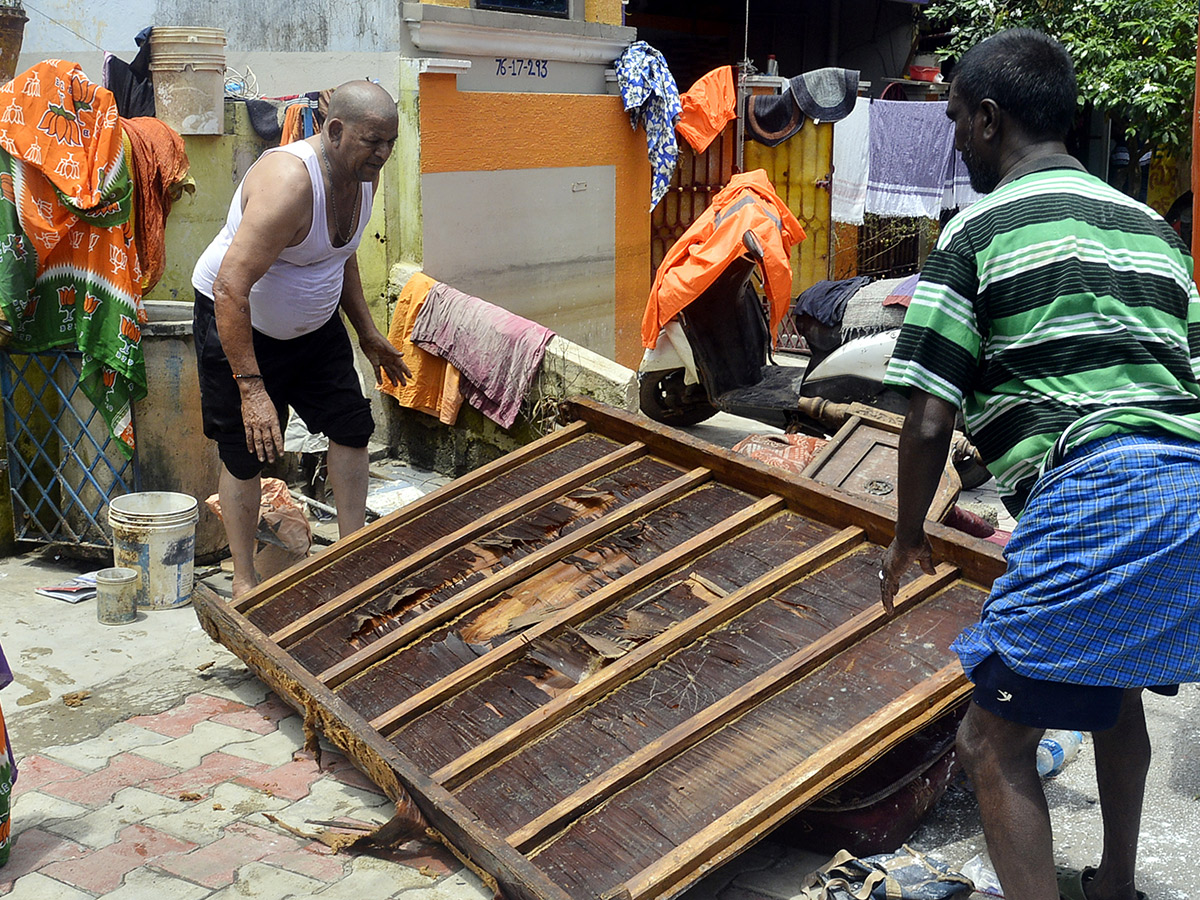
707,106
747,203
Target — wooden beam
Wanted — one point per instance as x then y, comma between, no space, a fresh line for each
980,561
405,514
331,609
454,606
496,659
690,732
649,654
345,729
756,816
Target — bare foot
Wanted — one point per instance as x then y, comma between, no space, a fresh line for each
242,586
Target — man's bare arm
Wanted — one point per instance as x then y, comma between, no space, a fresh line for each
384,358
924,444
276,214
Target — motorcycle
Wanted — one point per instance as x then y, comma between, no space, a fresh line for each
715,356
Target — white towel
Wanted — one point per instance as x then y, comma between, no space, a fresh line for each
912,143
851,164
959,193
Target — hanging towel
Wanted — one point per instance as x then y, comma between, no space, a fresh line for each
911,147
160,175
434,386
69,272
959,193
851,164
707,106
497,352
650,96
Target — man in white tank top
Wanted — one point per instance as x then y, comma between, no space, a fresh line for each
267,330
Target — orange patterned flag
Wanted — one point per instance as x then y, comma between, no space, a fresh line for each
69,272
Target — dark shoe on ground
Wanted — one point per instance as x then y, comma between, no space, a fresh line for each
1071,882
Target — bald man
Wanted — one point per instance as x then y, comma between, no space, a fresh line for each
267,330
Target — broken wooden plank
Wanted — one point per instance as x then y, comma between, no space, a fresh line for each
314,619
776,679
646,655
397,519
577,612
457,604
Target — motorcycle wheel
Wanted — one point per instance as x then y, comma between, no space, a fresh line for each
661,397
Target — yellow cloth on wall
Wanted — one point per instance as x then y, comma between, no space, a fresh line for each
434,386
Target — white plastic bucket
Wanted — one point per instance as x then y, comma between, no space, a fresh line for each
116,595
155,533
187,66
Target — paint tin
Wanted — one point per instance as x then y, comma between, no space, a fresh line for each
116,595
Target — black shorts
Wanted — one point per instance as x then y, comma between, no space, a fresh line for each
314,374
1048,704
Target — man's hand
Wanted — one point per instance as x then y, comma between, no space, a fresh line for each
263,436
384,358
896,559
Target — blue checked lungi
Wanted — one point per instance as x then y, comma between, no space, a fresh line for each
1103,579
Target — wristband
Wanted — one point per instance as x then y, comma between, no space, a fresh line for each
248,375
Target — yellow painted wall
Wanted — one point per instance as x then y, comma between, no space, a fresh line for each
475,131
798,169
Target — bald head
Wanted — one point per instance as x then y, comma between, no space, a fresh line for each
360,101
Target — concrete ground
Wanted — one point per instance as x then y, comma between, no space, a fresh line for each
158,783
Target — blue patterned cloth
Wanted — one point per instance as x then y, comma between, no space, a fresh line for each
651,97
1103,579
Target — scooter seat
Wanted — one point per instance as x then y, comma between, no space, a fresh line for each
770,400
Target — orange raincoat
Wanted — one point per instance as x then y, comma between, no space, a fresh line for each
747,203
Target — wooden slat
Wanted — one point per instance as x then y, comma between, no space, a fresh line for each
331,609
508,576
276,584
345,729
494,660
773,804
690,732
637,661
980,561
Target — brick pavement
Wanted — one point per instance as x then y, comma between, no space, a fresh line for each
172,806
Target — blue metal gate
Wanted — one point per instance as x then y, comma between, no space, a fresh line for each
63,465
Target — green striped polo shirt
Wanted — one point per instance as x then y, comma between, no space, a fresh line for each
1052,299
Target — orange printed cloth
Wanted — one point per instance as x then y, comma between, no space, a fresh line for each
747,203
435,384
707,106
160,173
69,271
790,452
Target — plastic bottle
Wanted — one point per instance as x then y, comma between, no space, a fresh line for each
1055,750
772,64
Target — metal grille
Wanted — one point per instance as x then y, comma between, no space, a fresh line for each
63,464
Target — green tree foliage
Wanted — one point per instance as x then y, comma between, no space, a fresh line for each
1134,58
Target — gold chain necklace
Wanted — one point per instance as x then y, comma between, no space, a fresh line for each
337,223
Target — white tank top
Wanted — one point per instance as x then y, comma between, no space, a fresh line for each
301,290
